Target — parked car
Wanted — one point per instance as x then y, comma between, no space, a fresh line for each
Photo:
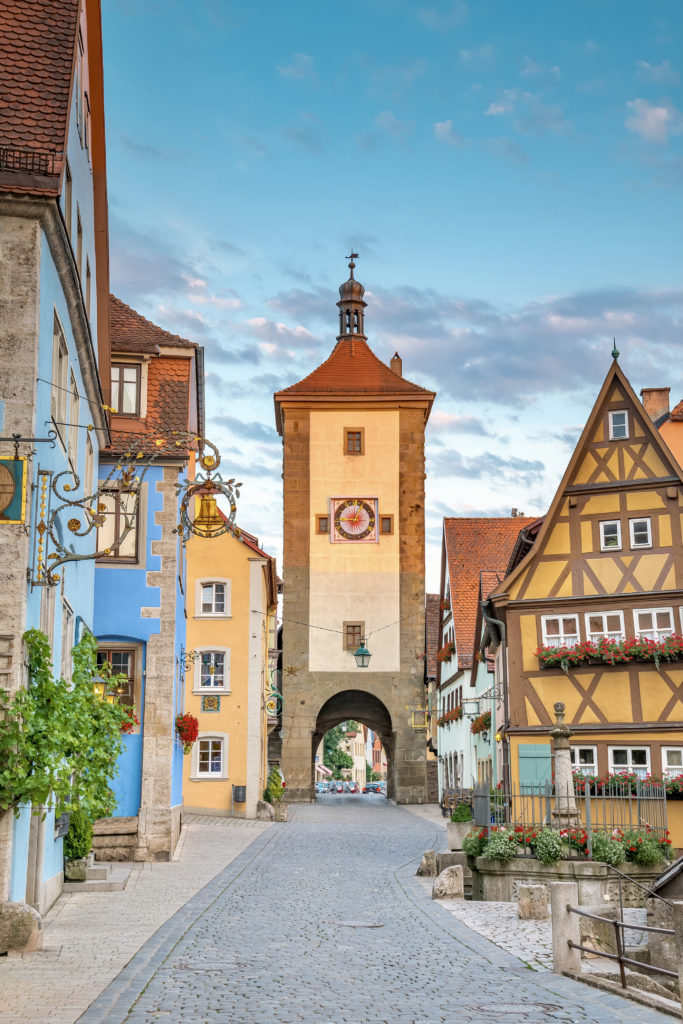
340,787
353,787
372,787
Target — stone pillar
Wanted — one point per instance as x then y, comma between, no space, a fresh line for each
565,814
566,928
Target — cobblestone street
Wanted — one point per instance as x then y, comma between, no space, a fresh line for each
321,920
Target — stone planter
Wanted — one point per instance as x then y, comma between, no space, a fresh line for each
280,811
75,870
492,880
457,830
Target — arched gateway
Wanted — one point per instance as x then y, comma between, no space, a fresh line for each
353,481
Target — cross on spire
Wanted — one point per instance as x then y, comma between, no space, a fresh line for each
352,257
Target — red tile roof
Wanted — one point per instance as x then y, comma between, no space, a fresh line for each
677,412
473,546
432,624
131,332
352,369
37,48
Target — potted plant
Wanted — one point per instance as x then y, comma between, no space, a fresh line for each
77,846
187,728
459,825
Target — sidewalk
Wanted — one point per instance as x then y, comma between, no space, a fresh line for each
90,937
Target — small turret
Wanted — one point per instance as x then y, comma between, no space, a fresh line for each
351,305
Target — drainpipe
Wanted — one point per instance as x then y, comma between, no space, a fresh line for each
506,697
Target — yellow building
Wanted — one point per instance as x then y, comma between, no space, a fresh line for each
607,562
231,624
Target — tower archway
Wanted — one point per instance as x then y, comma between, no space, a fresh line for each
359,706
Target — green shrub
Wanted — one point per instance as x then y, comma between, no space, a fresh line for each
607,850
642,847
78,840
461,812
275,789
502,846
474,842
547,846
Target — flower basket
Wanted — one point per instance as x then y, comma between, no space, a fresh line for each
454,715
446,652
445,606
187,729
482,723
130,722
605,651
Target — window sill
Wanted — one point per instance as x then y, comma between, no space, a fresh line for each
212,615
213,777
204,691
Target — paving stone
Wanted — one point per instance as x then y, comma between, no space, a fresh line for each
261,941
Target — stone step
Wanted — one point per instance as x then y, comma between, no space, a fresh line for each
97,873
118,875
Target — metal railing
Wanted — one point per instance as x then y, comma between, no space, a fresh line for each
619,928
608,808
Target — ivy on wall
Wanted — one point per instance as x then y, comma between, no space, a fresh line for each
59,741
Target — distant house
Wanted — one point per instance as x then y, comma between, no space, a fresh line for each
55,337
157,387
606,566
475,552
231,630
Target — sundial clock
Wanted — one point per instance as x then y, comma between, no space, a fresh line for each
354,519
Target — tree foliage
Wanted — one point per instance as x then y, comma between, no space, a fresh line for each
59,741
333,756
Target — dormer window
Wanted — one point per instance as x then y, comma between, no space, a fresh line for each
125,388
618,425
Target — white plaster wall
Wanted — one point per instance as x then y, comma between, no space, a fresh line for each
369,597
255,683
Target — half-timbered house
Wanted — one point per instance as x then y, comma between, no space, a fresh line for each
607,563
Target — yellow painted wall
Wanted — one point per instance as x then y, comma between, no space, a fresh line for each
223,557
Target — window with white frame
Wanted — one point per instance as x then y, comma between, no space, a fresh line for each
610,535
618,424
634,760
609,624
210,757
68,639
60,378
212,671
74,415
212,598
654,623
584,759
641,533
560,630
672,761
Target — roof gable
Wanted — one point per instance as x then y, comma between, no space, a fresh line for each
597,467
473,546
37,49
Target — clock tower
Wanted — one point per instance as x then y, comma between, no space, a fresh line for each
354,556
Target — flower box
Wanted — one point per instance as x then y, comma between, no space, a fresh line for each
605,651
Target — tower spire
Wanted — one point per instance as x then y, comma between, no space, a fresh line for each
351,305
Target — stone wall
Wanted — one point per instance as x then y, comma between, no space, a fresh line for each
158,822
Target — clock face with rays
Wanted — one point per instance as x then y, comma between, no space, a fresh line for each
354,519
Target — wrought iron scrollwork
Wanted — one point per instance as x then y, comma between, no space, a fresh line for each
207,485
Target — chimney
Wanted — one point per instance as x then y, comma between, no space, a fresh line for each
655,402
513,513
397,364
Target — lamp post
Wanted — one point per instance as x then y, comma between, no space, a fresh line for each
362,655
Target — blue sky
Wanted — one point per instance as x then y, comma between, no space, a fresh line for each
509,173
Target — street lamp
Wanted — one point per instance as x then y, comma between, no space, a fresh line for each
362,655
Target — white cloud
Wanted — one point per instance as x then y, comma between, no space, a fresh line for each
391,125
530,67
444,132
301,67
654,123
662,74
505,103
481,55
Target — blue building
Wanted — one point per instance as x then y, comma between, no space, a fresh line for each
53,339
157,387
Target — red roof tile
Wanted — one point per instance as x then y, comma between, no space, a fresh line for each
677,412
352,369
432,624
37,47
473,546
131,332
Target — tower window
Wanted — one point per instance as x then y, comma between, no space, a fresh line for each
386,524
353,633
355,322
618,425
354,441
322,524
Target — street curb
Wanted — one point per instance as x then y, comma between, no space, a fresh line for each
117,999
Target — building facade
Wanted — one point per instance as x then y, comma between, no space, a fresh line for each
231,630
606,565
140,587
353,478
54,339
